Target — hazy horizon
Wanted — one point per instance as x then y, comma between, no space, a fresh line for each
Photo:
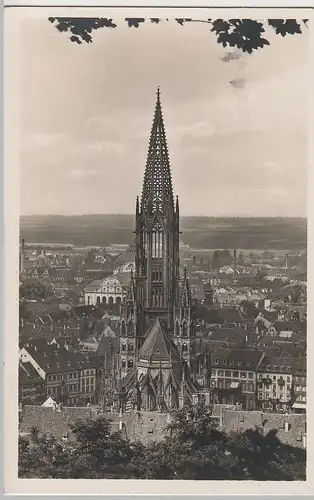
185,216
237,131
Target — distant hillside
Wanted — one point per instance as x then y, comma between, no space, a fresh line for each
200,232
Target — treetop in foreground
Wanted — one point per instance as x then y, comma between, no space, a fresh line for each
244,34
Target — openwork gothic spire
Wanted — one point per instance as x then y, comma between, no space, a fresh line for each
157,186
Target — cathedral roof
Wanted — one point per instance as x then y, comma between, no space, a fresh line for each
157,345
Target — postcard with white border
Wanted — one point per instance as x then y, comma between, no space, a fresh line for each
157,250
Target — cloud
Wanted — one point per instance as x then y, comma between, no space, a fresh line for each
232,56
238,83
105,146
41,140
87,111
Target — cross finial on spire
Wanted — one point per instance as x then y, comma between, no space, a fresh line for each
158,94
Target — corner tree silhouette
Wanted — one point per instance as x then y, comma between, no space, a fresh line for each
244,34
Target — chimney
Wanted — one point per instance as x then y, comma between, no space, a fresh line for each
235,261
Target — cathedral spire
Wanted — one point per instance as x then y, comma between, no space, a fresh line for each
157,187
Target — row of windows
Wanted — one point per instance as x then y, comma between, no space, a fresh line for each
89,372
280,377
112,289
104,300
280,389
63,376
88,380
73,388
56,390
235,374
275,387
88,389
277,368
231,362
245,387
268,396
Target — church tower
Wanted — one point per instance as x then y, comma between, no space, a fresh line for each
158,323
156,236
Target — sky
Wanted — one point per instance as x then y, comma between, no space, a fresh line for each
237,131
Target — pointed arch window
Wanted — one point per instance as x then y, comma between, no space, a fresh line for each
130,328
157,297
177,329
157,242
123,328
184,330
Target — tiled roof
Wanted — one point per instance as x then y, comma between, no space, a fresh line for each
230,315
157,344
56,359
297,326
239,421
106,344
128,256
94,286
232,334
242,359
270,315
276,365
51,421
28,374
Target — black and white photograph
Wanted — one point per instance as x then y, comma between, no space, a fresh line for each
162,249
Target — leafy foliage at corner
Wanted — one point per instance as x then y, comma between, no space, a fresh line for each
193,449
81,27
245,34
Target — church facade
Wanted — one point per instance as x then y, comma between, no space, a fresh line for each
160,367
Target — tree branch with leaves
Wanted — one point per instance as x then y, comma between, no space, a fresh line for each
244,34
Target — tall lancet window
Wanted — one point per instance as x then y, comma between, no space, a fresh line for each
157,243
157,296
